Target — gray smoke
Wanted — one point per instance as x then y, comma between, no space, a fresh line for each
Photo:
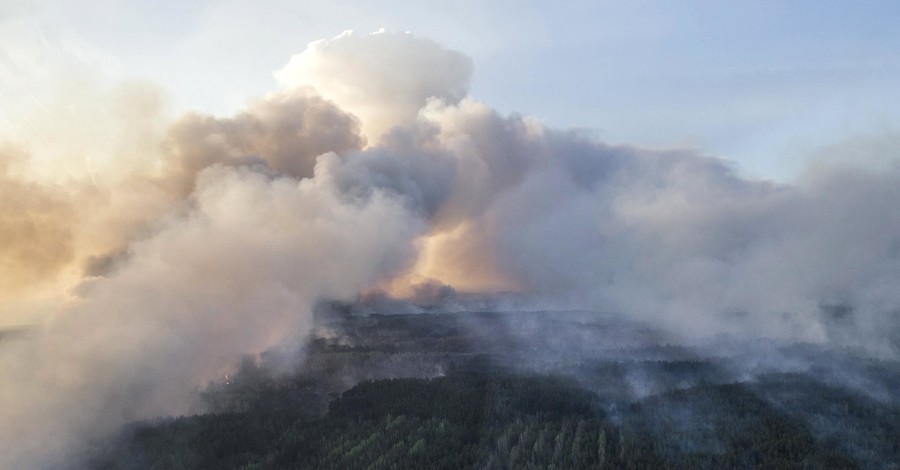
284,131
250,220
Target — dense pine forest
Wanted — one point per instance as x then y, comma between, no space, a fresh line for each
538,390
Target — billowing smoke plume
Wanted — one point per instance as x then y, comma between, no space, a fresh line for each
245,222
284,131
382,78
238,273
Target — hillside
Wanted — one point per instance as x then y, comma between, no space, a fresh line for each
529,390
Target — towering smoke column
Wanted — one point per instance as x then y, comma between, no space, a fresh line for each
384,79
382,174
238,234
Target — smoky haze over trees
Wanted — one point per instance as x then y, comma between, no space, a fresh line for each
541,389
383,179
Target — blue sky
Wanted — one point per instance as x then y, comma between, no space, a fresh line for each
765,83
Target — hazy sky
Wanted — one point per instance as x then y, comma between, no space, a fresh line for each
766,83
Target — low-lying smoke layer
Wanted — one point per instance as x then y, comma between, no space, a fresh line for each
222,245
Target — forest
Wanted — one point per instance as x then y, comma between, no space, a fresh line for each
538,390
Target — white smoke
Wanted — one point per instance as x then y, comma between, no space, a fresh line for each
251,219
383,78
237,274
